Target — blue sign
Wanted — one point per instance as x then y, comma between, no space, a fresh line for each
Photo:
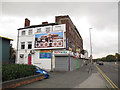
67,44
45,55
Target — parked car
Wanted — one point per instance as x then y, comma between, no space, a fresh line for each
41,71
101,63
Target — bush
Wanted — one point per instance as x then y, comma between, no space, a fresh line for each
15,71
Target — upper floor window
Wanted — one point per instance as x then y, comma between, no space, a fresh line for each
22,45
30,32
58,28
29,45
39,30
47,29
69,28
23,32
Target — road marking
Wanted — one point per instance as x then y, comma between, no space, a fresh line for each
105,76
108,78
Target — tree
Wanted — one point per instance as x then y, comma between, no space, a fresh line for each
12,54
110,58
103,59
117,55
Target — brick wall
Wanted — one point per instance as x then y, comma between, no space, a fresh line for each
75,40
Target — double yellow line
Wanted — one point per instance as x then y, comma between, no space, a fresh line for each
109,81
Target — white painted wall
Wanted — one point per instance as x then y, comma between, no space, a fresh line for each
42,63
26,38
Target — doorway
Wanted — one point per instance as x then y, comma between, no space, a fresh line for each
29,59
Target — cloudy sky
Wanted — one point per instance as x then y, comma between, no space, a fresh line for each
101,16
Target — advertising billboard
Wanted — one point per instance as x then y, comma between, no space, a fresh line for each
45,54
50,40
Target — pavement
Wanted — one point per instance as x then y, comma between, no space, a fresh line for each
85,77
94,81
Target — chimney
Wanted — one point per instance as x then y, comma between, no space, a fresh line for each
44,22
27,22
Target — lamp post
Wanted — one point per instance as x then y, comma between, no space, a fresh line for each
90,45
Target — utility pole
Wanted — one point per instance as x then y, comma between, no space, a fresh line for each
90,45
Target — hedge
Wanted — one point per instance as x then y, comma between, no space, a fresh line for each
15,71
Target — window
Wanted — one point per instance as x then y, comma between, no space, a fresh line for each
23,32
39,30
58,28
22,45
47,29
29,45
69,28
30,32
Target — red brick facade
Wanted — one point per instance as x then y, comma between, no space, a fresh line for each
75,39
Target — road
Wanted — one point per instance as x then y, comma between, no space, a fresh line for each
75,79
111,71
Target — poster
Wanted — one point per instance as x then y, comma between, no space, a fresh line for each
45,54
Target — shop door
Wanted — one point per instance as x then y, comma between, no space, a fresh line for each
29,59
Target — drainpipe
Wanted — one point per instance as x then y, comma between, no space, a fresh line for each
17,47
69,61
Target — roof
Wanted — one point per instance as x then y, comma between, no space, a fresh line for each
6,38
40,25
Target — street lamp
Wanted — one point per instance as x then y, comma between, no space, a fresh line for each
90,45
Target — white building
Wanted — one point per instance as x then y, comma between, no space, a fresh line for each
28,50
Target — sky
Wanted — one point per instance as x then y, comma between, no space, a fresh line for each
102,17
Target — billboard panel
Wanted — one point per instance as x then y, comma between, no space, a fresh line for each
49,40
50,37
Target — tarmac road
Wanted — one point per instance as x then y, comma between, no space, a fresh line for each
80,78
111,71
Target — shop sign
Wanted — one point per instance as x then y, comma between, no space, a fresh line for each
45,54
67,43
61,52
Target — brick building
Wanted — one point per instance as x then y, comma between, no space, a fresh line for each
72,34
